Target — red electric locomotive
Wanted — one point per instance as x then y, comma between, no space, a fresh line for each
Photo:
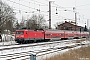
26,36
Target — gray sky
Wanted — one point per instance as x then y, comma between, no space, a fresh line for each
30,6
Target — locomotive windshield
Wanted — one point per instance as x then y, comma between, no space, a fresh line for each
20,32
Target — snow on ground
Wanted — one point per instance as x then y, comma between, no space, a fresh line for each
36,49
7,37
7,43
61,52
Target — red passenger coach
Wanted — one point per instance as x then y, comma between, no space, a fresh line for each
52,35
64,35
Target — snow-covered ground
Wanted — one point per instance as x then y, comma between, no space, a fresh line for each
42,52
7,37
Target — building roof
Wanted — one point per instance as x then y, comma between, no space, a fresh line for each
69,25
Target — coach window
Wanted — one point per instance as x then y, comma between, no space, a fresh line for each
47,34
62,34
66,34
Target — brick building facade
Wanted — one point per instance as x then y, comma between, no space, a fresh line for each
69,26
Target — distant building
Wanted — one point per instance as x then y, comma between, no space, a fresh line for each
70,26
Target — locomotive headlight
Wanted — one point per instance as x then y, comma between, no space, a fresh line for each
22,36
19,36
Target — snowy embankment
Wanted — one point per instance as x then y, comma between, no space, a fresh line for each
42,52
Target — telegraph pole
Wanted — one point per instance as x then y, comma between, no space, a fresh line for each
75,20
75,17
49,14
87,24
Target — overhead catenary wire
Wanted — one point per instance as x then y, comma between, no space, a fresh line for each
24,5
43,4
64,8
29,6
82,5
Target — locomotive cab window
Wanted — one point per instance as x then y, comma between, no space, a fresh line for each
20,32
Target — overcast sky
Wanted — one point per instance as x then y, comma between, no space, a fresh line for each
31,6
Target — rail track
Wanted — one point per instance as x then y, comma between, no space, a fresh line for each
8,47
9,43
16,46
21,52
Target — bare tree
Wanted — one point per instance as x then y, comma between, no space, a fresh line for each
7,16
36,21
56,25
22,24
41,21
17,25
